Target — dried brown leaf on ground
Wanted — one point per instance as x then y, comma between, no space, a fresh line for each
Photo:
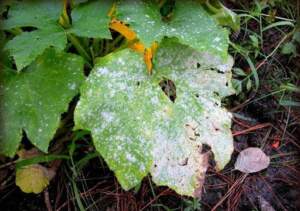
252,160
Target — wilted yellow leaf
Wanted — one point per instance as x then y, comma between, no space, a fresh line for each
33,178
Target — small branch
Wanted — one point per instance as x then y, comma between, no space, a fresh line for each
256,127
47,200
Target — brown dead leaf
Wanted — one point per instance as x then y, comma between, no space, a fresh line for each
252,160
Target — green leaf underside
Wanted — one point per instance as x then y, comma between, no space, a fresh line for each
139,130
34,100
91,19
29,45
190,23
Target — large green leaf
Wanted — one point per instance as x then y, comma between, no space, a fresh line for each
91,19
139,130
88,19
33,100
41,14
29,45
190,23
33,13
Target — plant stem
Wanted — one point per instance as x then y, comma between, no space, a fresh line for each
74,40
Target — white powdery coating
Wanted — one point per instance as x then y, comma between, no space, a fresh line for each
214,127
108,116
138,130
178,163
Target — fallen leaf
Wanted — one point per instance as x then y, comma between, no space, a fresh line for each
252,160
33,178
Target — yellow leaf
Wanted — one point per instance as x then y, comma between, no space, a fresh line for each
33,178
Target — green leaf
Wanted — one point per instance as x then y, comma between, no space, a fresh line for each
248,84
296,36
79,1
223,15
23,51
254,40
237,85
289,103
41,14
190,23
239,72
33,13
91,19
5,4
33,100
289,48
139,130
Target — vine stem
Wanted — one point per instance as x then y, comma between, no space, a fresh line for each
75,41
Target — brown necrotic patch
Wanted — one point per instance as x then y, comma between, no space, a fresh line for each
168,88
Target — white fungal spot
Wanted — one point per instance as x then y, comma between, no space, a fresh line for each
108,116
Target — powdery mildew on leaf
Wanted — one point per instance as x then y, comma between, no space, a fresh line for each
208,78
139,130
190,23
34,100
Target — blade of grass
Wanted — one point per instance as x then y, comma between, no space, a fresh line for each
40,159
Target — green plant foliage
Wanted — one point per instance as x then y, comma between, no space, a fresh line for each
89,20
21,46
138,128
78,1
190,23
223,15
33,100
140,124
40,14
